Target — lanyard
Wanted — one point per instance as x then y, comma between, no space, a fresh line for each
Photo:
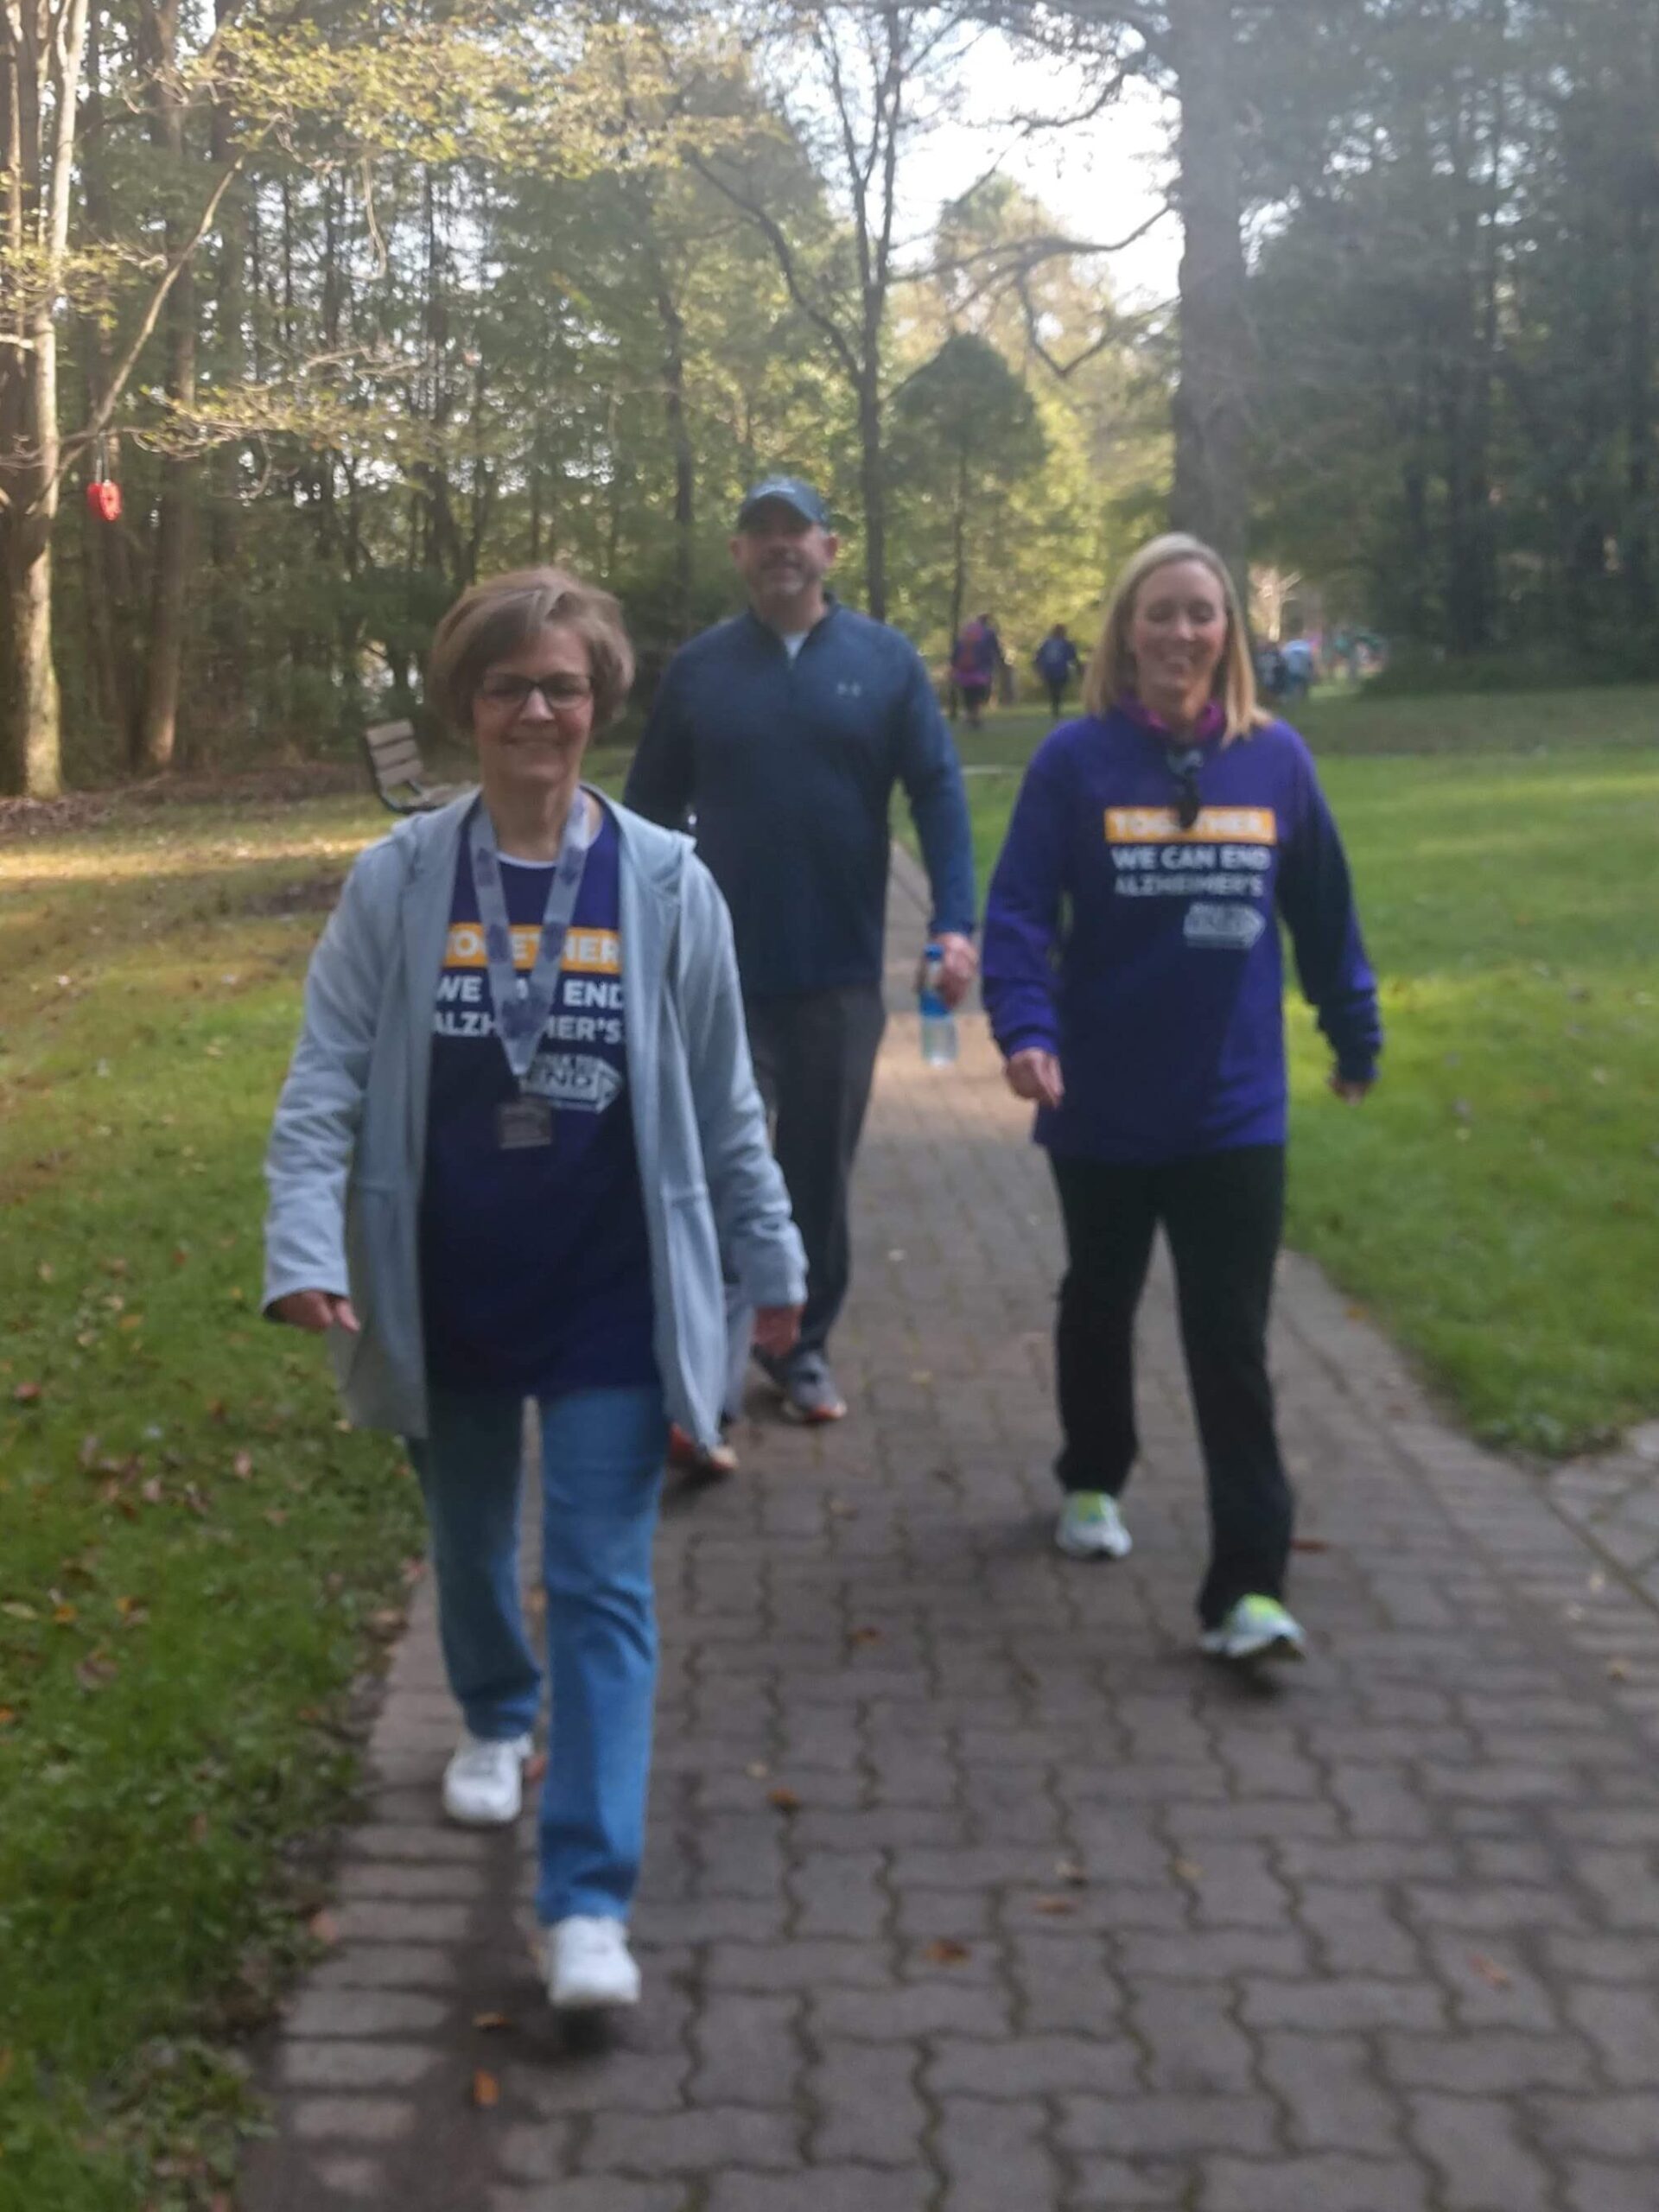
523,1003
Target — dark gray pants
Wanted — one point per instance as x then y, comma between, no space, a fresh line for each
815,1061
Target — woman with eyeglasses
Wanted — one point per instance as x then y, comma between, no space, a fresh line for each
1132,974
519,1128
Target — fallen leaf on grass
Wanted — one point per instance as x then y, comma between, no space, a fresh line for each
7,1715
276,1516
26,1394
1054,1908
1495,1976
488,2020
242,1465
946,1952
18,1611
486,2090
65,1615
96,1671
783,1800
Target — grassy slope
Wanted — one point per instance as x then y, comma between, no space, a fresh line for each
190,1550
1493,1202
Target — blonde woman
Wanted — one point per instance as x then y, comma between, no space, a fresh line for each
1172,825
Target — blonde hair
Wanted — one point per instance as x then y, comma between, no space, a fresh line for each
1111,665
493,619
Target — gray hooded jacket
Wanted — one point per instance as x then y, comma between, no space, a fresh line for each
348,1144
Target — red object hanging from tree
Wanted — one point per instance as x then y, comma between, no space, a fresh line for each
105,499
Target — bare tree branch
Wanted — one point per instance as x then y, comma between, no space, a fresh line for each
773,230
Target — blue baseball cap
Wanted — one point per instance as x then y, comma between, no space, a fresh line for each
793,493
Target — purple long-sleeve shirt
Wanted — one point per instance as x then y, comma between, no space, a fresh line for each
1148,958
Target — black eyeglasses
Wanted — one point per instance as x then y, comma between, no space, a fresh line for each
514,690
1184,768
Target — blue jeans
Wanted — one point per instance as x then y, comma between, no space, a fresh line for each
601,1472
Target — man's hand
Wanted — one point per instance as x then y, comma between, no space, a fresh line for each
958,965
1035,1074
1352,1090
315,1310
776,1328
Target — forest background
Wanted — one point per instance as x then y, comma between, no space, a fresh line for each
355,300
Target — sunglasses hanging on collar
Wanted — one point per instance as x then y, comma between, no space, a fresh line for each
1184,768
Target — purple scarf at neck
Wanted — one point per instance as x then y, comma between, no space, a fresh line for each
1209,724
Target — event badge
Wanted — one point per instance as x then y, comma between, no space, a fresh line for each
524,1124
523,1004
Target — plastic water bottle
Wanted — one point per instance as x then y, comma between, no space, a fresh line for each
938,1023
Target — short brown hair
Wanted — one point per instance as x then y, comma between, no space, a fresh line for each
1111,668
492,620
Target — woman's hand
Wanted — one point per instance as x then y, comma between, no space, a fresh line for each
315,1310
776,1328
1352,1090
1035,1074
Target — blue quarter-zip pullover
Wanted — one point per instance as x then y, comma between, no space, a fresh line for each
788,764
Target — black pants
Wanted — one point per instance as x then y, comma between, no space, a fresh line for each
1223,1213
1056,694
815,1061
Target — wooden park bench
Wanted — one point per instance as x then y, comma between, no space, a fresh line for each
401,781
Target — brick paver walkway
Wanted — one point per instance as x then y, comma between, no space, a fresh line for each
970,1889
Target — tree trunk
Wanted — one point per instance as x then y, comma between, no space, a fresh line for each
679,439
1211,490
159,728
959,547
226,623
42,55
872,477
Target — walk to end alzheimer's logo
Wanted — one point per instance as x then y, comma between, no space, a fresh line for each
1223,929
580,1081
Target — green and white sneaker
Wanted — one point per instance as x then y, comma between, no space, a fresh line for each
1256,1628
1091,1527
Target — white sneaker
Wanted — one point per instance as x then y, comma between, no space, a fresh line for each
483,1781
589,1966
1091,1527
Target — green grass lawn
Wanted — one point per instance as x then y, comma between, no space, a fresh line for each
195,1560
1493,1202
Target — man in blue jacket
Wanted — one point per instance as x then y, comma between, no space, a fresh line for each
780,734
